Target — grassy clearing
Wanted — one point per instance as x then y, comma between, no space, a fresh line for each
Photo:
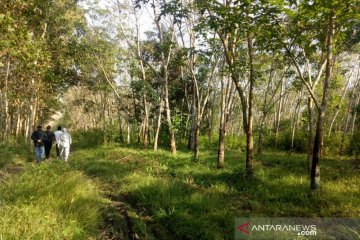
49,201
126,191
175,198
14,153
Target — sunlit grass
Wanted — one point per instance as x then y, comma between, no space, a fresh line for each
49,201
169,197
14,153
197,201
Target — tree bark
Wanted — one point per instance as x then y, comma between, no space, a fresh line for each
261,133
196,142
356,96
315,166
278,114
121,139
296,119
128,133
32,109
341,99
311,132
165,58
221,148
249,129
16,125
353,103
168,113
354,116
191,143
345,128
156,137
222,127
6,101
146,123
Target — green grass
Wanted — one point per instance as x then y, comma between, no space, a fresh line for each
169,197
49,201
180,199
14,153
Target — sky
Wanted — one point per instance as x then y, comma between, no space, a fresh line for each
144,17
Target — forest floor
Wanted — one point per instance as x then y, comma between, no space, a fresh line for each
113,192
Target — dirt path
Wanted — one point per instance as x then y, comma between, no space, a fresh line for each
117,223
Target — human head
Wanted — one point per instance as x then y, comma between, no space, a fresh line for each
48,127
39,127
59,128
64,130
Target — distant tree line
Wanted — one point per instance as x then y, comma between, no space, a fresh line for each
278,74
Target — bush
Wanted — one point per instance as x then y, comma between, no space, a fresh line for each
332,143
16,152
354,146
89,139
235,142
284,141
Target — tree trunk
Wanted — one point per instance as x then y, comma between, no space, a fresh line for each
191,143
156,137
196,141
356,96
140,130
32,109
311,132
128,132
6,101
26,128
261,133
165,59
249,129
221,147
168,114
354,116
278,114
341,99
315,166
17,123
296,119
345,128
1,116
146,124
210,122
121,139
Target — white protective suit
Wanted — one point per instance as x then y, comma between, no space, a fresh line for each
64,144
57,135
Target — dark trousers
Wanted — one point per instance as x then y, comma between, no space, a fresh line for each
57,150
48,146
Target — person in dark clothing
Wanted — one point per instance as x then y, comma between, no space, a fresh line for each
38,136
50,138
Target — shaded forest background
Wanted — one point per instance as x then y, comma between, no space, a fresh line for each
185,115
246,75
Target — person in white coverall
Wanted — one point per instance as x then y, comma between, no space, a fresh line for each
64,144
57,140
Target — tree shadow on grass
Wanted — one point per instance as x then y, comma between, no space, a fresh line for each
106,170
188,200
15,154
181,211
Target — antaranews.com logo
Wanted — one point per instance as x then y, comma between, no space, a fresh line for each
303,230
297,228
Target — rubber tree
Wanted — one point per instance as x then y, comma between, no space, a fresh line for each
312,29
241,27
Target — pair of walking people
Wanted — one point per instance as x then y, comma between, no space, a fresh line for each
43,141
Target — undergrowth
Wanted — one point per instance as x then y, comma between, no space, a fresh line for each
161,196
176,198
